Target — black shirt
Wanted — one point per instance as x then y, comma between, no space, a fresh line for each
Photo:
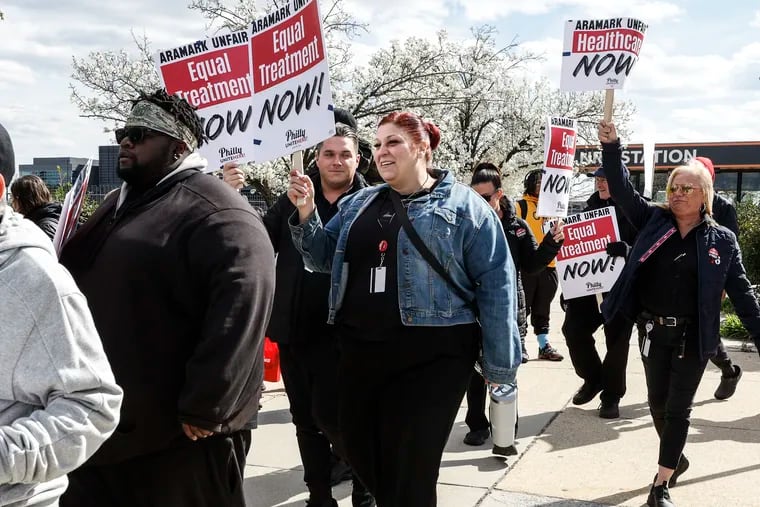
367,313
376,313
312,320
667,283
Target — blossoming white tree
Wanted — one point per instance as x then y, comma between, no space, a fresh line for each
486,103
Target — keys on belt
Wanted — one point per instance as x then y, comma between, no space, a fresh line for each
650,320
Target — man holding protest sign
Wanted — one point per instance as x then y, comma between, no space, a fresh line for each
58,398
583,318
179,274
308,345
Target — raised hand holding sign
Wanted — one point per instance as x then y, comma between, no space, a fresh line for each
301,189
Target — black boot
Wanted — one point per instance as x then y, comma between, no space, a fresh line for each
659,496
728,382
683,465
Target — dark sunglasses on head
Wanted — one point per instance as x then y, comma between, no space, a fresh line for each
136,135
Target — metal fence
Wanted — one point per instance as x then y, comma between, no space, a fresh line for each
99,192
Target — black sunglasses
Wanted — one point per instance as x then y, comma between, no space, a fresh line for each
487,197
136,135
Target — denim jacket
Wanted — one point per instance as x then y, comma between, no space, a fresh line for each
465,235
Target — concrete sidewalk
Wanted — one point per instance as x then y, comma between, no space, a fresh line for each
568,455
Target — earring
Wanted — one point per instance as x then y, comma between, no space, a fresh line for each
176,157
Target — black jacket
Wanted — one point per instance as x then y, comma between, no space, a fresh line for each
724,212
287,314
714,273
528,256
180,283
46,217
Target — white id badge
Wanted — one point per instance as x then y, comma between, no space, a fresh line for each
377,280
645,348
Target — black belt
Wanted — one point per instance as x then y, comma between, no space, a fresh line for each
665,321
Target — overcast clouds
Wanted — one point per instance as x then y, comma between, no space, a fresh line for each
697,79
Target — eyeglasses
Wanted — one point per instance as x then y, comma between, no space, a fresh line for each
685,189
136,135
487,197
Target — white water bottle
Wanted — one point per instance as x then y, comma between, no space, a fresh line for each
503,415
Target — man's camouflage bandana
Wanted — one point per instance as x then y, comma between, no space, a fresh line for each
148,114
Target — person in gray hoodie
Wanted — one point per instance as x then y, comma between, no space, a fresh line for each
58,398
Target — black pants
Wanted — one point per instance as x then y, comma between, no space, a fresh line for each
204,473
722,361
671,385
582,319
540,289
398,402
476,403
310,375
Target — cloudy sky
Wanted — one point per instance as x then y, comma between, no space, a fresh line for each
696,80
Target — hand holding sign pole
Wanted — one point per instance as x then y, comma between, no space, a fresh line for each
301,189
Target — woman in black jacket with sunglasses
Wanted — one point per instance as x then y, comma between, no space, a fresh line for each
672,287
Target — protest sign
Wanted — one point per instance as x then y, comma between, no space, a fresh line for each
72,208
599,54
292,99
559,153
583,265
214,75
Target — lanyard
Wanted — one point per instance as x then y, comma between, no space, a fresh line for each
657,244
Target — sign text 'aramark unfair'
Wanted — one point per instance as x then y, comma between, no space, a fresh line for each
599,54
292,98
559,153
583,265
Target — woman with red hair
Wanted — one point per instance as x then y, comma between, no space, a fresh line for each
410,332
